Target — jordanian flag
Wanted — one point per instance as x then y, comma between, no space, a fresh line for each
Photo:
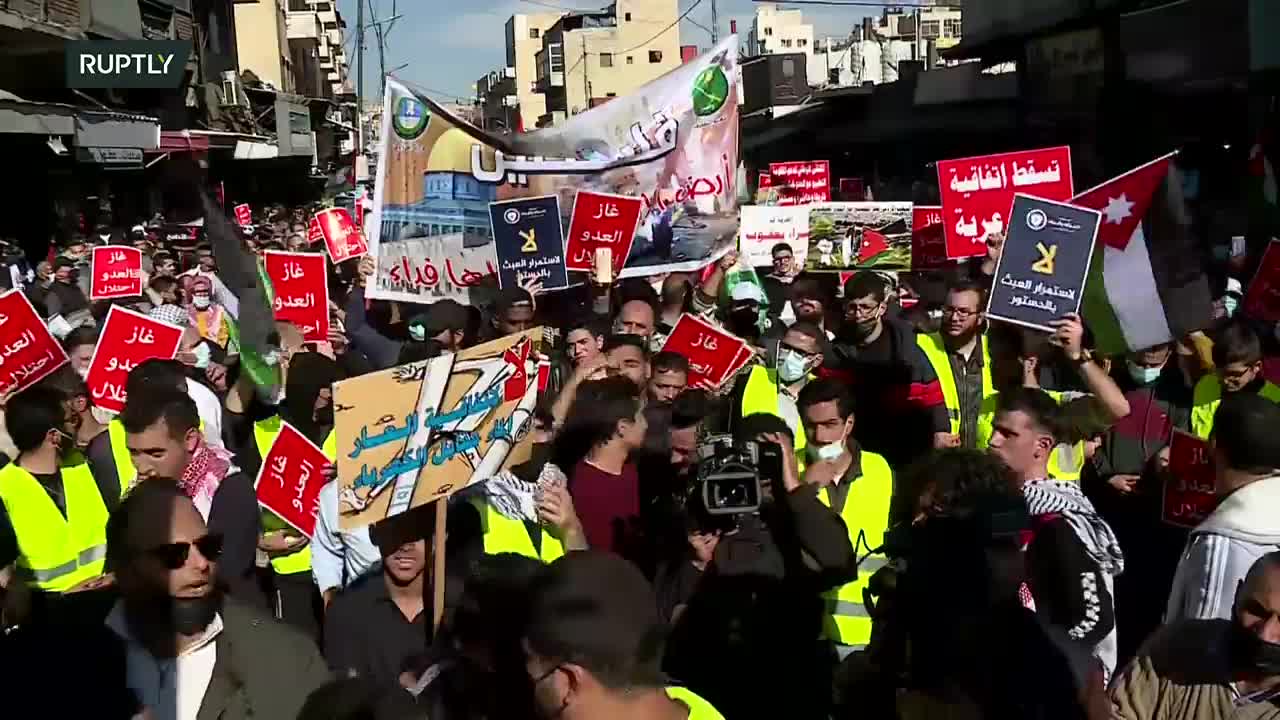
1145,285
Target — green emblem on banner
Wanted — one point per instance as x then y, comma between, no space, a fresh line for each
710,90
410,118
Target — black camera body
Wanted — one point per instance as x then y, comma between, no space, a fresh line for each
732,475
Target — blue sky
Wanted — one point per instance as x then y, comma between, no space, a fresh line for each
449,44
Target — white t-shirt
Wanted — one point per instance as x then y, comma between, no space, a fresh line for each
210,409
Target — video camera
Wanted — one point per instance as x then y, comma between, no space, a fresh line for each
731,475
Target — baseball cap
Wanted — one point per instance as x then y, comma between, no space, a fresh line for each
747,292
442,315
510,297
596,610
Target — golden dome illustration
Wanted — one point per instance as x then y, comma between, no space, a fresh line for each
451,152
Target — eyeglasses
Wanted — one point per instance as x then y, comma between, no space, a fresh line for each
784,347
961,313
174,555
862,309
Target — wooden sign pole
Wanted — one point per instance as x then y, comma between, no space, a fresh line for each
437,570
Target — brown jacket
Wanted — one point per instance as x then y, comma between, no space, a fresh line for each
1183,673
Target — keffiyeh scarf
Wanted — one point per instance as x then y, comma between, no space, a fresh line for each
202,476
517,499
1065,498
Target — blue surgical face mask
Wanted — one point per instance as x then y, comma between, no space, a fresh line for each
1143,375
1229,304
792,366
201,352
829,452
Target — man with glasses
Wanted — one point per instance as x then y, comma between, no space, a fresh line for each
778,282
774,390
962,361
1237,360
188,652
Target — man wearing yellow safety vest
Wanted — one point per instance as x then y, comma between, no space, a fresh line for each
1017,358
857,485
1237,360
774,390
961,358
53,513
594,645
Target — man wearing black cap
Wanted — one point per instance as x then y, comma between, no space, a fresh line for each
594,645
444,321
512,312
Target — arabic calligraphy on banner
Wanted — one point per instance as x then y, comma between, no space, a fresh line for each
977,192
928,242
422,431
801,183
342,238
601,220
529,242
1190,489
128,340
853,236
300,284
713,353
117,272
290,479
673,144
1041,272
1262,301
763,227
28,352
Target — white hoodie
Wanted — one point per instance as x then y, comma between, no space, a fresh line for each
1220,551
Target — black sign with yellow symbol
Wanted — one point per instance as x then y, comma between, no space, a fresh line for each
529,242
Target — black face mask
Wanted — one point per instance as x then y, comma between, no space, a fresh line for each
1253,654
165,614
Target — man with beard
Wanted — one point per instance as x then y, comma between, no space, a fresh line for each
668,378
1237,360
162,434
962,361
1216,668
189,652
65,296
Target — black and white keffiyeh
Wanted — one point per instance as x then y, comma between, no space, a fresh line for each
517,499
1065,498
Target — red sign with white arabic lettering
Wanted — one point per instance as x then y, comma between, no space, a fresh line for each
601,220
290,479
128,340
764,181
1189,492
341,236
28,352
244,215
362,206
300,284
928,243
801,183
314,234
977,193
117,272
712,352
1262,301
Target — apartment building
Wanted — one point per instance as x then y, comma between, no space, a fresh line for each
314,31
262,42
508,97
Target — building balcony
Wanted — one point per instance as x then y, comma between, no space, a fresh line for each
326,12
334,34
303,25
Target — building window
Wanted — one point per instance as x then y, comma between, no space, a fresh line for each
534,33
606,59
802,42
952,27
626,17
764,47
786,42
833,76
611,94
655,56
788,68
555,53
768,32
929,29
630,60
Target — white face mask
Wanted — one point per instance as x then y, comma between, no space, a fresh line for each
792,366
201,302
1143,375
201,352
828,453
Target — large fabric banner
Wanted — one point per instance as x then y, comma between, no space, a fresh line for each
673,143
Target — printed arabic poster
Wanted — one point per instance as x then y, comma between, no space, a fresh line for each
601,220
977,192
128,340
422,431
117,272
854,236
529,242
28,350
763,227
1041,272
342,238
1262,301
711,351
801,183
673,144
243,214
300,284
928,242
289,481
1190,493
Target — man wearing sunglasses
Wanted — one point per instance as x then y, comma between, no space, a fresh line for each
190,652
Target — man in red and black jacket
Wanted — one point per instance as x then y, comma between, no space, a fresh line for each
899,400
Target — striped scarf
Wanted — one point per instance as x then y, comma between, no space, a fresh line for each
1065,498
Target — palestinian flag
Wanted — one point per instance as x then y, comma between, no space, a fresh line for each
1146,285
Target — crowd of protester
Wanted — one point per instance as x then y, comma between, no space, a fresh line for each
955,518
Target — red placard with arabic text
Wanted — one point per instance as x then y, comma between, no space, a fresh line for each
314,234
290,479
801,183
1262,300
244,215
928,244
117,272
1189,492
128,340
601,220
712,352
300,284
341,236
28,351
977,192
764,181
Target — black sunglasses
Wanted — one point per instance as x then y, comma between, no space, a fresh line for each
174,555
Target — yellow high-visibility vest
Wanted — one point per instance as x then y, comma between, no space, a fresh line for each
56,553
125,470
1207,396
504,535
866,515
761,396
936,352
298,561
699,709
1065,461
